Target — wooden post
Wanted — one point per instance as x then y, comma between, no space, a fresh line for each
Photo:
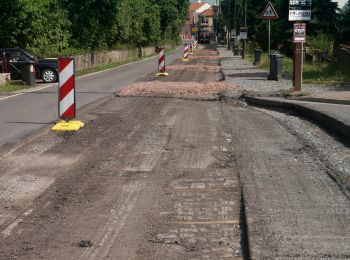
298,66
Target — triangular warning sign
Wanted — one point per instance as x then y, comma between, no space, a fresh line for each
269,12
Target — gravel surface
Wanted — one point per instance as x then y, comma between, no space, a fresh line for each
331,152
254,80
205,52
199,67
208,57
157,87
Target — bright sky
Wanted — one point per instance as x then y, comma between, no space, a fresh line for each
341,3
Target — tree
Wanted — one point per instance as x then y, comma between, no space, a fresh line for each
325,18
345,24
40,25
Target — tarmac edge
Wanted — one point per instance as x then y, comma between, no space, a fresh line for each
331,123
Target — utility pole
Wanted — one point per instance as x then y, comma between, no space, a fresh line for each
234,23
229,26
245,25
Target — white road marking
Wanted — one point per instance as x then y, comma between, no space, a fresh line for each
22,93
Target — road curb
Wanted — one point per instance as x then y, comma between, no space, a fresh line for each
325,120
322,100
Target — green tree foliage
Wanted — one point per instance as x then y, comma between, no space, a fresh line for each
325,18
345,22
40,25
325,21
52,26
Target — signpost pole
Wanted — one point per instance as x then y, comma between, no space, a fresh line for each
269,53
245,25
299,11
269,37
269,13
298,69
229,26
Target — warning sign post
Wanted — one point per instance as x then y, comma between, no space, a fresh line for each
67,97
269,14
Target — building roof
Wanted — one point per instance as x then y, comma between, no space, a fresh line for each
209,12
195,6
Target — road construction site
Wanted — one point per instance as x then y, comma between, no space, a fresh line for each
177,167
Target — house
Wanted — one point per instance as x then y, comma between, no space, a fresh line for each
200,17
206,21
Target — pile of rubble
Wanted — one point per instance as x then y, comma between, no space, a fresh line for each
156,88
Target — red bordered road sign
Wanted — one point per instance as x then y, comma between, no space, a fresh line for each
300,32
269,13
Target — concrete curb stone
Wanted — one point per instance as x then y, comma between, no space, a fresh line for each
320,113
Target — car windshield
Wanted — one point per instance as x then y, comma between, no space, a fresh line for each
30,53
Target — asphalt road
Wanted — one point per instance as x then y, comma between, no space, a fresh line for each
24,113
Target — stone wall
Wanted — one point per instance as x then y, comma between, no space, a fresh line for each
97,59
4,77
342,54
149,51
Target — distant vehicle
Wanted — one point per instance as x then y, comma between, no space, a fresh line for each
46,69
204,39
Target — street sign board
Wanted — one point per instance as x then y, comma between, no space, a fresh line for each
233,34
244,33
299,32
300,10
269,13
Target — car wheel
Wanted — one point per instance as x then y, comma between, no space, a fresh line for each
49,75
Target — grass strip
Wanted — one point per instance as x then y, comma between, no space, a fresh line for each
313,73
13,86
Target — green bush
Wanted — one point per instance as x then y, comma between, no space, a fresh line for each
322,42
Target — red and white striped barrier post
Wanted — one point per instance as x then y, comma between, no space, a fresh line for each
161,63
195,45
191,47
66,86
185,58
67,97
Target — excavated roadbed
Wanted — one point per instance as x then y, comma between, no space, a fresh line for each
169,178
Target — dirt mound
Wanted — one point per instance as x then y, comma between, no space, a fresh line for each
199,68
174,88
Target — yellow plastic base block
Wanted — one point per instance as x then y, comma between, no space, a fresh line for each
70,126
162,74
185,60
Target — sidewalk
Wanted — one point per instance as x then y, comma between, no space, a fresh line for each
257,90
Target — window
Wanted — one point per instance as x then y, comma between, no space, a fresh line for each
12,55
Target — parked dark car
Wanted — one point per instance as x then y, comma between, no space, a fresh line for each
204,39
46,69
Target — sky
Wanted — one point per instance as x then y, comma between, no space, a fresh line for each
341,3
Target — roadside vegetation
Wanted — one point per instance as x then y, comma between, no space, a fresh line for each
61,27
329,27
325,73
13,86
